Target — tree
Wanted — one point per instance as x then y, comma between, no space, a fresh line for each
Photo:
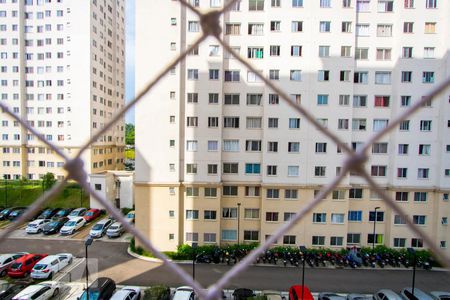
48,180
129,134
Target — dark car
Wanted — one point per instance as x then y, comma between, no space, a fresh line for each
101,289
8,290
16,213
63,212
243,294
48,213
54,226
4,214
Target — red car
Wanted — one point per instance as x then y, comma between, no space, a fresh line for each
92,214
296,292
22,266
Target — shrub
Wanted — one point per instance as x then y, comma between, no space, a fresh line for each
157,292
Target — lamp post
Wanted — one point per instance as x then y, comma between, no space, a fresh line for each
81,196
374,224
6,191
87,243
194,258
303,250
238,220
413,252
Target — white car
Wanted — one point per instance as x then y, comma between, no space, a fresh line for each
438,295
115,230
42,291
184,293
50,265
386,294
36,226
78,212
7,259
99,229
72,225
127,293
418,294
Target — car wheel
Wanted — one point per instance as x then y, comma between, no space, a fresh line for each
3,273
70,261
26,274
50,276
56,292
39,231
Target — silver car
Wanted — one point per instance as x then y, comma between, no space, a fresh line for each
99,229
418,294
115,230
438,295
386,294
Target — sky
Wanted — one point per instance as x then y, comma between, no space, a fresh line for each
129,57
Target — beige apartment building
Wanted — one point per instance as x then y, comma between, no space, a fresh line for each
62,70
218,151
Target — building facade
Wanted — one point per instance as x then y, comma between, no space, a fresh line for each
218,150
62,70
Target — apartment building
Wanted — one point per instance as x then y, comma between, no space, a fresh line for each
62,71
221,158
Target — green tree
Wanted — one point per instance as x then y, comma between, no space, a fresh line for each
129,134
48,181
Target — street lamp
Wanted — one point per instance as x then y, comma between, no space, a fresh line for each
87,243
374,224
413,252
81,196
239,220
6,190
303,251
194,258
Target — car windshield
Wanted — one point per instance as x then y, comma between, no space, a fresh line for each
182,295
90,213
40,267
93,295
4,211
74,213
60,213
16,265
32,225
53,224
16,212
114,227
70,223
130,215
97,227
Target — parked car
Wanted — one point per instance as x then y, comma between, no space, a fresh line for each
6,260
48,213
4,214
418,294
54,226
438,295
386,295
42,291
36,226
272,295
330,296
9,290
243,294
16,213
184,293
99,229
23,265
115,230
296,292
127,293
71,226
78,212
101,289
358,297
130,216
63,212
92,214
50,265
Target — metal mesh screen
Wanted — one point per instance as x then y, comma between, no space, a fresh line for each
354,162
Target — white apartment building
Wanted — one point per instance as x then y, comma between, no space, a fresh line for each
218,150
62,70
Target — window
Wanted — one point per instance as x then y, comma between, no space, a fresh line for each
233,29
297,3
346,51
193,74
324,26
273,193
229,212
319,217
420,196
409,4
289,239
318,240
399,220
384,30
193,26
428,77
323,75
213,98
191,145
274,50
382,77
192,236
343,124
338,195
423,173
293,147
214,74
425,125
404,125
272,146
401,196
271,217
324,51
378,238
231,122
416,243
229,235
336,241
344,75
213,145
428,52
251,213
321,147
252,191
337,218
402,172
252,168
254,122
407,52
406,76
355,193
385,5
431,3
353,238
275,3
430,27
405,101
419,219
209,215
230,168
255,29
275,25
232,76
378,171
296,51
359,124
211,193
231,99
399,242
361,77
295,75
209,237
384,53
274,99
212,169
274,74
294,123
191,191
293,170
273,123
346,26
380,148
380,216
380,124
322,99
256,5
271,170
408,27
214,3
290,194
424,149
192,98
362,29
254,99
213,122
355,215
191,214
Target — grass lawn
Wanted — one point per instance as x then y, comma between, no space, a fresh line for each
14,194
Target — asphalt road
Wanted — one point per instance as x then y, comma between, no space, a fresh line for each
111,259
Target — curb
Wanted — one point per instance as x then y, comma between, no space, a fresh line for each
146,258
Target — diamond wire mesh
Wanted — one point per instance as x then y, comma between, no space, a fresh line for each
210,23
